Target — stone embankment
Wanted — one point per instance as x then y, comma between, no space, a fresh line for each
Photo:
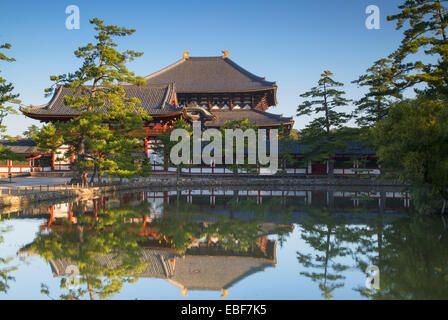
28,195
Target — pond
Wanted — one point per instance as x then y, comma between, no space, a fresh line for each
225,244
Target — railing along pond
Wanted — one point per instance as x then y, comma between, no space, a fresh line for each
26,190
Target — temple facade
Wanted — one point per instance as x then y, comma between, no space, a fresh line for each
212,90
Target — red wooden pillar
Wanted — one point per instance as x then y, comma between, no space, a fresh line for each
50,221
146,146
70,216
96,208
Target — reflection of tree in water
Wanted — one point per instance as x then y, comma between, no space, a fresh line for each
5,270
183,225
412,259
107,246
88,243
324,232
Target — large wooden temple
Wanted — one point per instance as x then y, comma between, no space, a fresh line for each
216,85
212,90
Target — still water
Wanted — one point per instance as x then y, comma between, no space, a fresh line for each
225,244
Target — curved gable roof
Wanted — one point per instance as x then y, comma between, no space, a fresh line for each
209,74
156,100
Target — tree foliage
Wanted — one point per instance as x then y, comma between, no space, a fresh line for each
107,132
322,135
91,241
7,100
413,142
425,23
383,86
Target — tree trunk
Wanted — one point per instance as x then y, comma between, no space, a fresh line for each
95,169
330,168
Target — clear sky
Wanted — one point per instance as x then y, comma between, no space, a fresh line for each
290,42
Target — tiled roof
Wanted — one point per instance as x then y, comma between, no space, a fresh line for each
156,100
209,74
353,148
22,146
260,118
158,263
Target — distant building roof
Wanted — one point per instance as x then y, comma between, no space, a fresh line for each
209,74
257,117
156,100
21,146
353,148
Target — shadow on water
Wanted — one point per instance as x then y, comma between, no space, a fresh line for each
214,239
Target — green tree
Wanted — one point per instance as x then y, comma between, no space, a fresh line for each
7,99
88,243
413,141
31,131
101,101
425,23
383,86
322,135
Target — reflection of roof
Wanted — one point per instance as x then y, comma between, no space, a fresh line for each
159,264
156,100
209,74
193,272
257,117
22,146
215,273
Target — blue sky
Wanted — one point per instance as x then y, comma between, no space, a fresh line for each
290,42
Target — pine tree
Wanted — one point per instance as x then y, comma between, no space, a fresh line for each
322,135
384,86
31,131
7,97
100,99
426,22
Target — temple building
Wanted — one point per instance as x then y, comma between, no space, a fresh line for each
224,88
221,89
212,90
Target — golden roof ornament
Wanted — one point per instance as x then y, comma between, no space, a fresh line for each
225,292
185,54
226,54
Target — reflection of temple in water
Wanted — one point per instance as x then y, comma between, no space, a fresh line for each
206,264
207,270
351,198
